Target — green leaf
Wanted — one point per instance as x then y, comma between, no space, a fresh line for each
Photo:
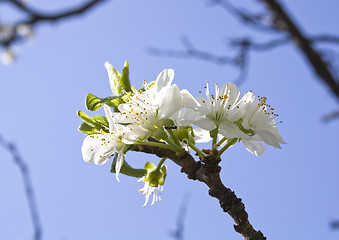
114,79
125,82
85,128
92,125
93,103
127,169
101,119
119,82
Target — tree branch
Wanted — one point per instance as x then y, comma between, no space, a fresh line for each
325,39
35,17
239,60
207,170
284,23
260,21
28,185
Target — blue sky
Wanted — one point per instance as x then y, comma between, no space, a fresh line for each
289,193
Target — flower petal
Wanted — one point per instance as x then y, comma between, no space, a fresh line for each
188,100
97,149
111,124
164,79
254,147
268,137
231,130
171,102
118,164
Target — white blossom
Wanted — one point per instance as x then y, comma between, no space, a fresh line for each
99,148
215,111
148,190
151,108
8,56
259,120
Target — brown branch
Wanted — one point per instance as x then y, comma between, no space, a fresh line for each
284,23
257,21
255,46
325,39
240,59
191,52
207,170
28,185
35,17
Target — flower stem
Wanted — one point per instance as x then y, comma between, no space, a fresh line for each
214,141
197,150
174,138
229,143
216,145
160,164
155,144
174,146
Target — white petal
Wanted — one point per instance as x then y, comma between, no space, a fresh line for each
171,102
233,93
231,130
96,149
118,164
204,123
164,79
268,137
111,124
254,147
188,100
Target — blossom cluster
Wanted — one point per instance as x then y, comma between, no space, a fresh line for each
162,115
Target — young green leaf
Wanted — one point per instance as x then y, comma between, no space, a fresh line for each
125,82
93,103
92,125
85,128
119,82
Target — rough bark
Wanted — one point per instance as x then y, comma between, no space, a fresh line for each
207,170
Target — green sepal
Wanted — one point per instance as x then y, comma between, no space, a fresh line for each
160,135
214,133
92,125
127,169
149,166
191,136
93,103
167,122
181,133
241,127
163,169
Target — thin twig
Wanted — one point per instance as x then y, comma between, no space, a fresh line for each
331,116
34,17
28,185
334,225
178,233
239,60
326,38
261,22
